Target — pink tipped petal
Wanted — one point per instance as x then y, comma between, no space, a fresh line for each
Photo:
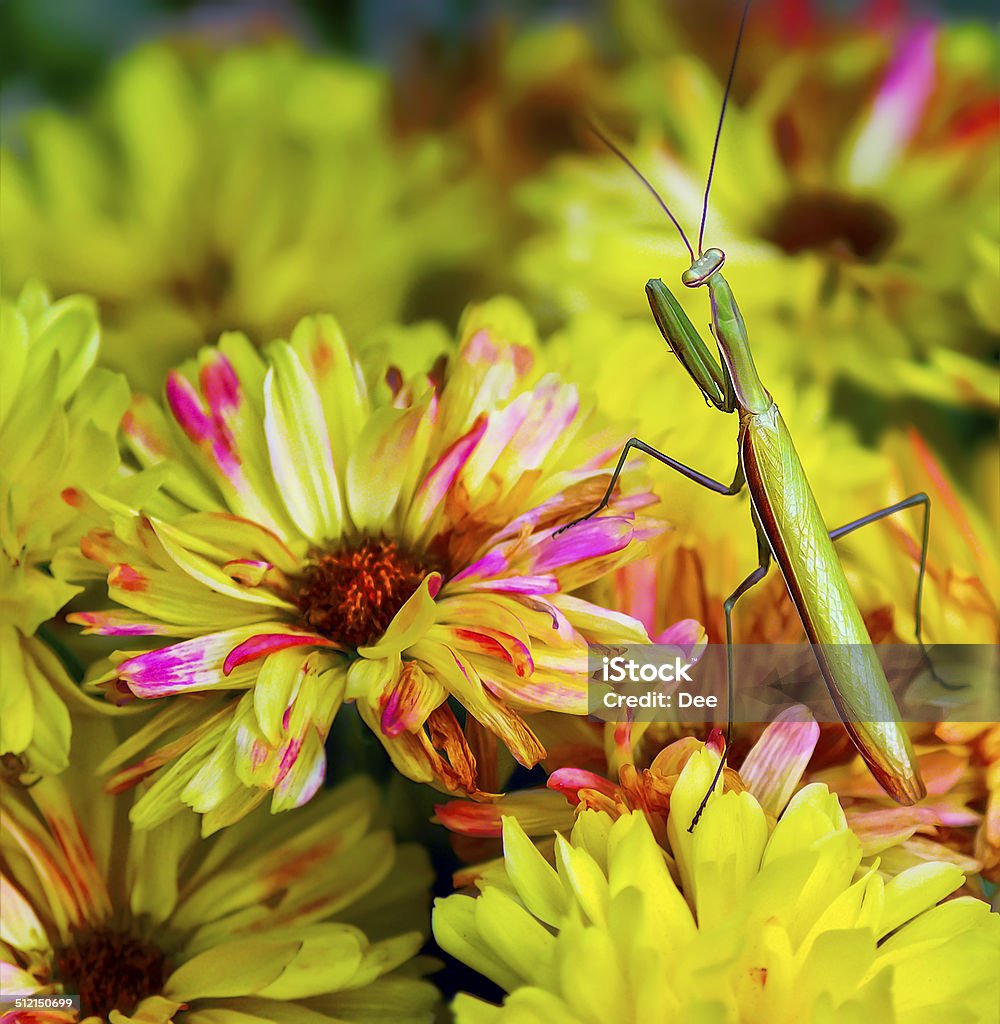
881,829
491,564
591,539
430,495
262,644
518,585
688,634
211,435
569,782
470,819
546,428
897,110
502,428
187,408
189,666
495,644
124,623
774,766
302,778
219,384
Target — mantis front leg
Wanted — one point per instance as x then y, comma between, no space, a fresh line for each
692,474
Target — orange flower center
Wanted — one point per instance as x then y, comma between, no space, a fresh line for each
110,970
352,595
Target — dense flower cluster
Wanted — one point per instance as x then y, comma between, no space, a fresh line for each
742,919
327,576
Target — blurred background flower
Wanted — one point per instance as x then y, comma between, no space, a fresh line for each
157,926
59,414
204,192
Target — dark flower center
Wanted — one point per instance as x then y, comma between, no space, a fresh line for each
110,970
352,595
824,220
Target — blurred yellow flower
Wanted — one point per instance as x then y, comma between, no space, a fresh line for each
58,417
149,928
313,546
747,920
851,245
235,190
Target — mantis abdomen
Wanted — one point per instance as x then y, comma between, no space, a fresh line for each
797,535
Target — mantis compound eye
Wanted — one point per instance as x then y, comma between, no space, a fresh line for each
703,268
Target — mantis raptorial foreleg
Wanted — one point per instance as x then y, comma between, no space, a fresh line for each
763,553
692,474
920,498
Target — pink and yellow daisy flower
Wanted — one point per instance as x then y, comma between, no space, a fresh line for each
314,546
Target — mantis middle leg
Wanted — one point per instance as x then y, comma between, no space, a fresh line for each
764,563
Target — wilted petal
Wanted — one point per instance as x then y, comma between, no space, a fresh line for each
413,697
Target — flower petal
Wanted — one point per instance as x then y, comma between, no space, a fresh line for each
299,447
262,644
408,624
775,764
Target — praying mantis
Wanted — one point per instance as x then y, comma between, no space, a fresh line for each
789,526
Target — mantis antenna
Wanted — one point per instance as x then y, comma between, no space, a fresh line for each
718,130
635,170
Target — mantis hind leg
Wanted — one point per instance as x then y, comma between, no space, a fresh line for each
764,563
883,513
692,474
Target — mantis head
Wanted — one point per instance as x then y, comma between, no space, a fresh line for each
703,267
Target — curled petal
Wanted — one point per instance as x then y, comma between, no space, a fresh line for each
415,695
569,781
262,644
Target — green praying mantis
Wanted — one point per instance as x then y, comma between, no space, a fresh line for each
790,528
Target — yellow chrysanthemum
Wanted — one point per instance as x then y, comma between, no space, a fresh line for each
153,927
238,190
745,920
315,546
58,419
